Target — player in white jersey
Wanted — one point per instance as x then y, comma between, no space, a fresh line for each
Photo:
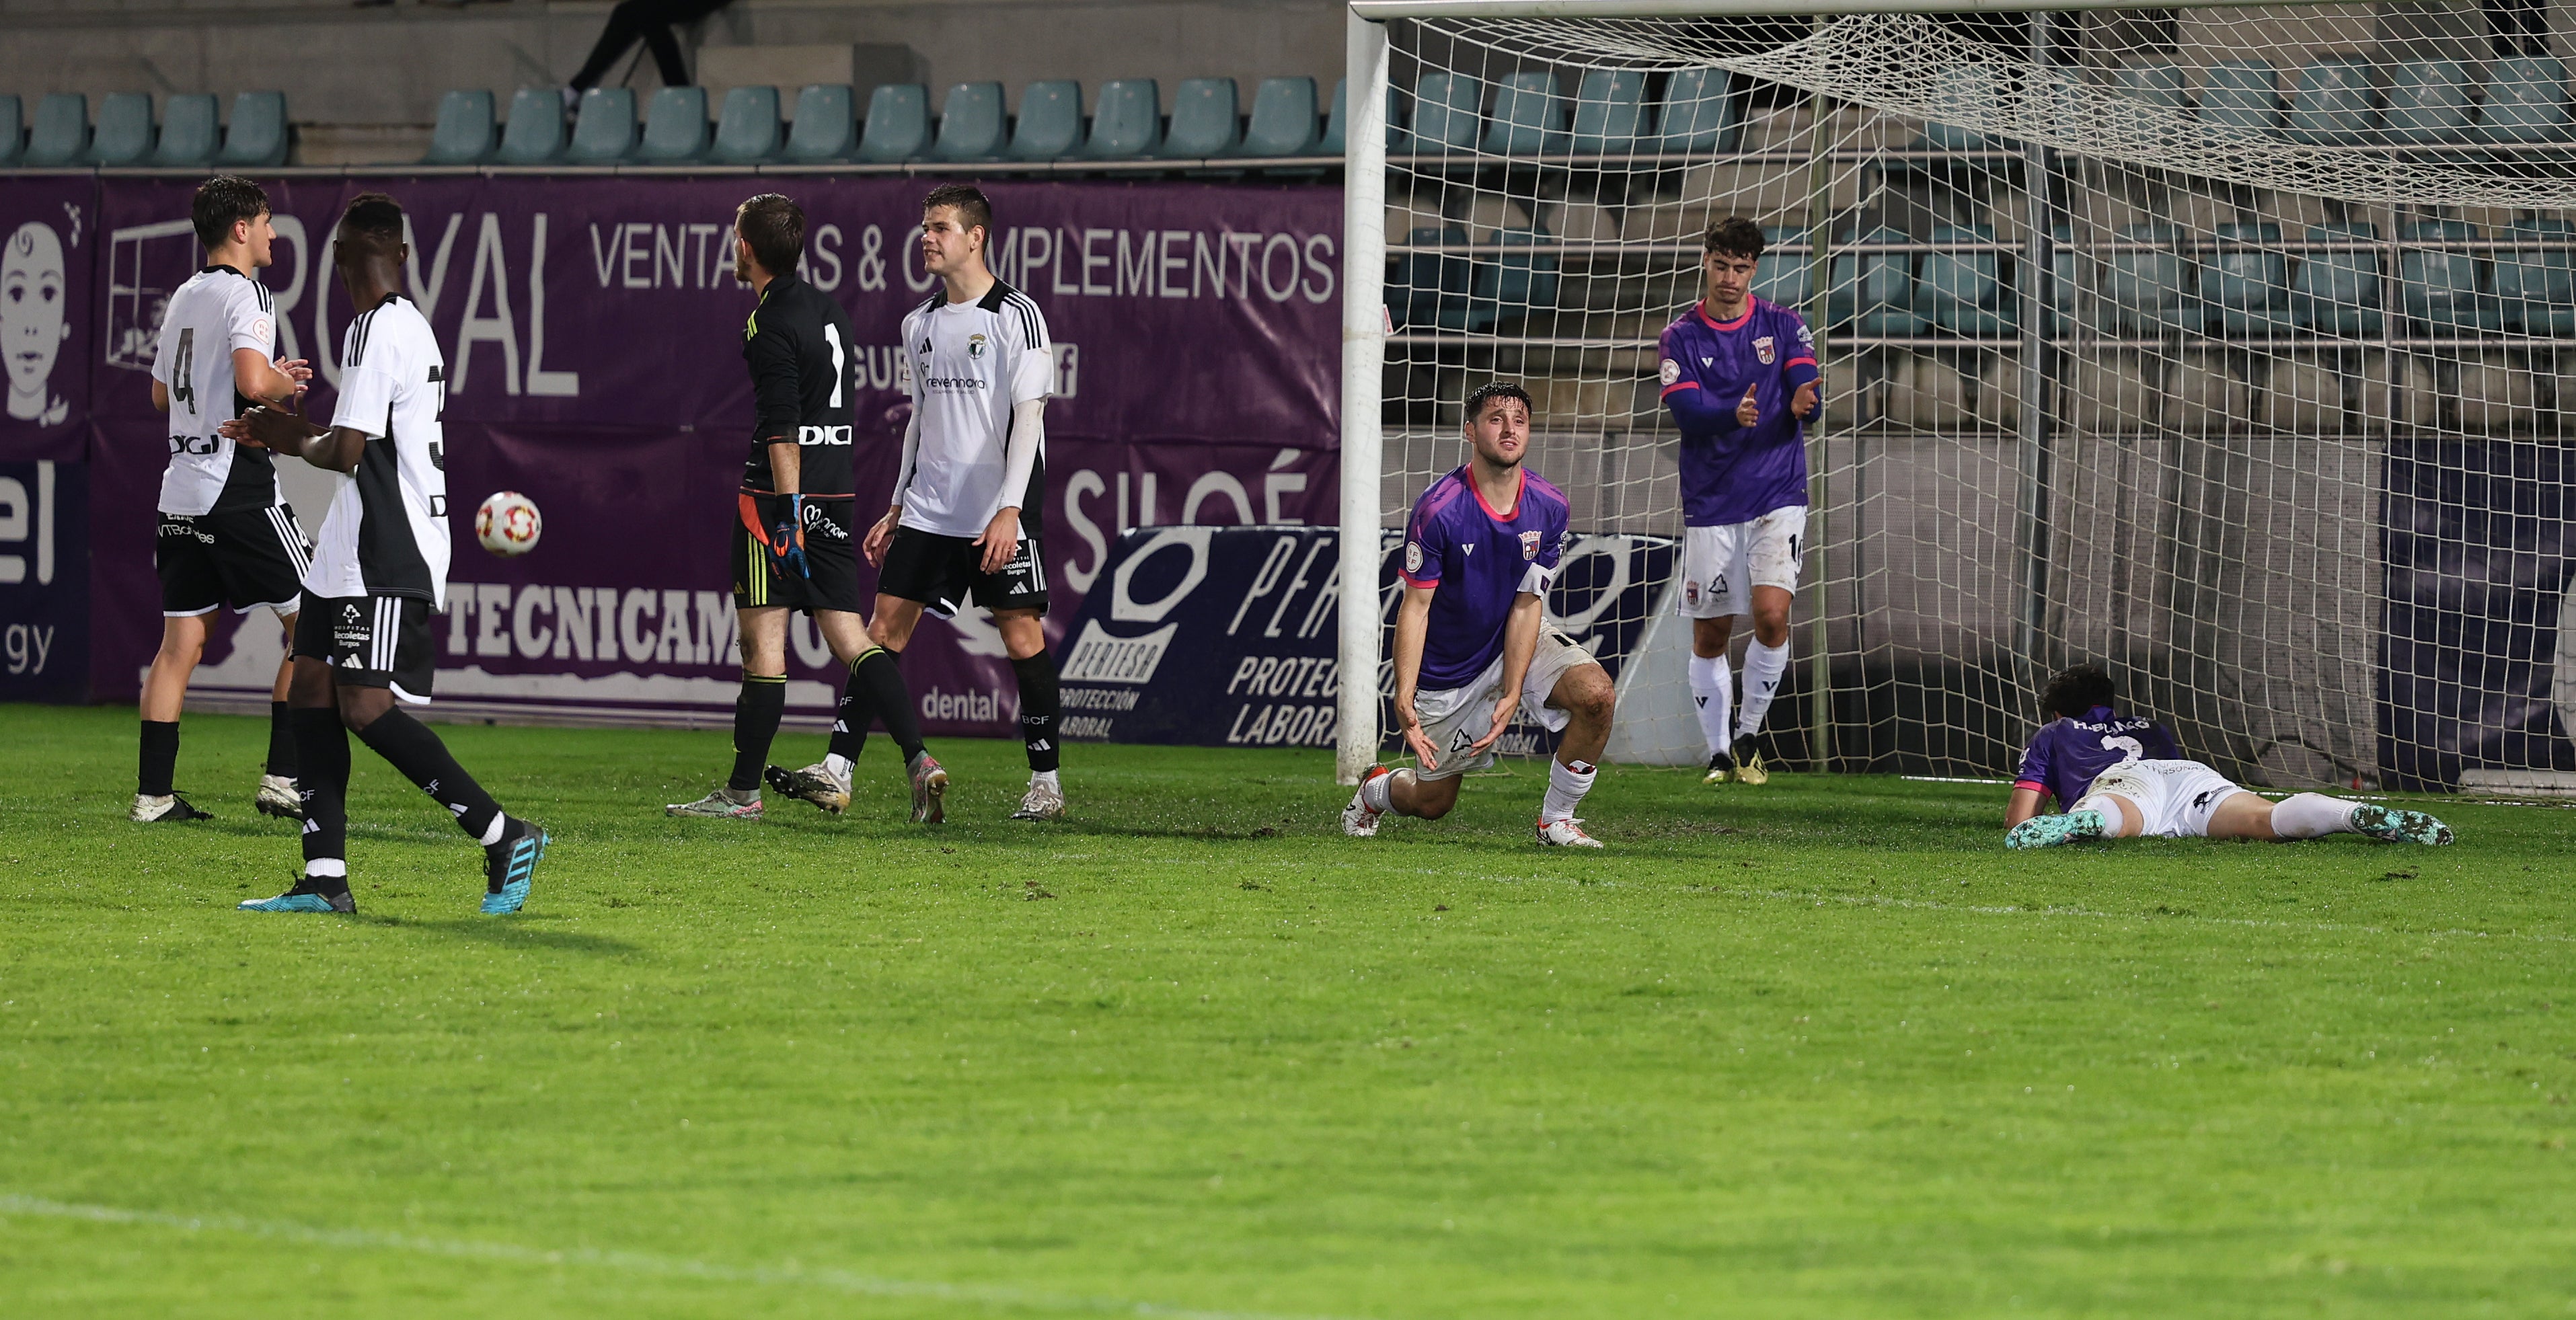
379,571
969,501
227,536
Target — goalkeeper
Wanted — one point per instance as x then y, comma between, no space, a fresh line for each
2119,776
792,549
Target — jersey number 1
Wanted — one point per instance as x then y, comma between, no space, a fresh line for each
840,360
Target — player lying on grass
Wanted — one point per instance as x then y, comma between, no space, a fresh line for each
1471,641
2121,777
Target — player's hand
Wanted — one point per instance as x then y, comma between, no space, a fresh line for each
879,536
1001,540
1749,411
787,538
1414,738
273,426
297,370
1504,709
1802,405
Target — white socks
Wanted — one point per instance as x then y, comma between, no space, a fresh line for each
1378,794
492,832
326,868
2311,816
1763,668
1566,785
839,765
1048,778
1712,684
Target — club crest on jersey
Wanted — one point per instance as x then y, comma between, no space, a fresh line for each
1413,556
1768,349
975,346
1529,545
1690,592
1670,372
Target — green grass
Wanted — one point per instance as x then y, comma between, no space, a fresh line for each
1817,1050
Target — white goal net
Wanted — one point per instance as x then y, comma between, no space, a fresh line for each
2225,346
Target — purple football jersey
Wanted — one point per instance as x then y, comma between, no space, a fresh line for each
1732,473
1481,560
2068,755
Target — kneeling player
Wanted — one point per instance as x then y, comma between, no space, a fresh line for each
2120,777
1471,641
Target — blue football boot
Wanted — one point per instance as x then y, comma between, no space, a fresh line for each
2050,831
304,897
511,864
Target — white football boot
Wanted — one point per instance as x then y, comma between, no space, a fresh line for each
1566,833
277,797
1358,821
1041,802
815,783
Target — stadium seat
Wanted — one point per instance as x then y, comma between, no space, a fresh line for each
1700,114
1788,278
61,134
2242,96
535,133
1609,111
2336,103
1424,286
2149,291
13,130
971,123
257,135
2445,292
124,133
1968,87
2536,287
1283,118
826,125
1204,119
1528,118
2247,292
675,127
1963,292
2526,102
1127,121
2338,293
603,133
1336,132
2429,103
466,131
1873,293
2159,93
1050,121
747,131
1446,109
1505,286
898,126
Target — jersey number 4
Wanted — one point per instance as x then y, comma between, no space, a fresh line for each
183,377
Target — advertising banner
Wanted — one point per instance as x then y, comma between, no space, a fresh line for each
48,242
593,335
44,581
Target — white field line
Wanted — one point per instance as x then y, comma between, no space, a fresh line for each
615,1262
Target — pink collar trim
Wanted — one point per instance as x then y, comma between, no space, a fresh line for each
1701,307
1520,486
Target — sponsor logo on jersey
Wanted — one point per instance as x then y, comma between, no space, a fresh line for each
1670,372
1767,348
822,435
1413,556
953,384
1529,545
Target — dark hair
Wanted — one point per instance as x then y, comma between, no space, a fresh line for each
1735,236
2076,691
375,218
1500,389
222,202
974,209
774,226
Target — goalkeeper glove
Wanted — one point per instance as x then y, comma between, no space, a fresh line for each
786,539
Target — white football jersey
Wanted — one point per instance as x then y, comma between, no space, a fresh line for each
971,362
218,310
386,531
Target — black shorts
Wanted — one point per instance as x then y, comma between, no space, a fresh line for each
249,560
939,572
370,641
831,563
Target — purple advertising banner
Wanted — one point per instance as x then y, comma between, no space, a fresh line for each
593,333
48,241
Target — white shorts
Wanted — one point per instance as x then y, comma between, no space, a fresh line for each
1722,565
2175,799
1454,719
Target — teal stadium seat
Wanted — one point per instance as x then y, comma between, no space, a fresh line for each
1446,110
2536,287
1963,292
1423,287
535,133
1283,118
2247,290
1785,278
61,135
1204,122
675,127
190,132
2242,97
1609,111
124,133
2150,291
13,130
1528,118
747,129
603,132
1969,87
2162,99
257,136
2526,102
1873,293
1699,115
1126,120
1050,123
971,123
466,130
898,126
826,125
2430,103
1505,286
2338,293
2336,103
2445,292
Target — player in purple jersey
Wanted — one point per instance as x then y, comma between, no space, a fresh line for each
1740,377
1472,645
2118,776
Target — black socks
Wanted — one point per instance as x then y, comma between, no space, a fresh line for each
322,757
1038,708
281,742
755,723
159,760
851,719
424,760
876,690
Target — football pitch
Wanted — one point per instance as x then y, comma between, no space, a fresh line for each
1819,1049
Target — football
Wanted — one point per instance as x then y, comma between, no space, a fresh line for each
508,524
